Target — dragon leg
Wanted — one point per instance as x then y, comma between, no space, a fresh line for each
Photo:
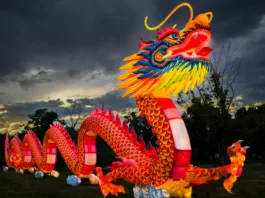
141,177
237,157
105,182
137,174
197,176
132,173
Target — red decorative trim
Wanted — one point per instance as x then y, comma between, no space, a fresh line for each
90,148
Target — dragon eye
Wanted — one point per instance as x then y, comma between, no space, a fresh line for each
173,36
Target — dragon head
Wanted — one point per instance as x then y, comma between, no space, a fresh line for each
175,60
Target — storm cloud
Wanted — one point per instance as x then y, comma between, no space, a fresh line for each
65,48
110,100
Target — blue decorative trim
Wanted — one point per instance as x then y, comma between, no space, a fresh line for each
155,68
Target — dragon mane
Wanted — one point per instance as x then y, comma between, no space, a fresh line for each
144,76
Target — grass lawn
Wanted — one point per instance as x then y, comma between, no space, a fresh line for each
250,185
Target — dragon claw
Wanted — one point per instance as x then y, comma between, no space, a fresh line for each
106,186
230,191
237,154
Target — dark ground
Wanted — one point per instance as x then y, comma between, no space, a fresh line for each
250,185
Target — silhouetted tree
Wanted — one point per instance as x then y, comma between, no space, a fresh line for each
250,125
41,121
74,112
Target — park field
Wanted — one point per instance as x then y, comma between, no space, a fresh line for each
250,185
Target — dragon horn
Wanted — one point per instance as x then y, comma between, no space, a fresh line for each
247,147
210,15
168,16
240,141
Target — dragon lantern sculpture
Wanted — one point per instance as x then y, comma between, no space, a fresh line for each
177,60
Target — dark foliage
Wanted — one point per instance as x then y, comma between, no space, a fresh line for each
141,128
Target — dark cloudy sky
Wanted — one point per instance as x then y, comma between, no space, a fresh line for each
53,50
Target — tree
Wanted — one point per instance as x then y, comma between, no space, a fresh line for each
214,99
41,120
74,112
250,123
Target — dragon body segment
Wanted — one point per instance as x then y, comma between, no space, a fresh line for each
175,61
30,154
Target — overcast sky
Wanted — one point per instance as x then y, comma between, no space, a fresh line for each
53,50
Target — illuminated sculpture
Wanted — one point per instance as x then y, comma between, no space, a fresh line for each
174,61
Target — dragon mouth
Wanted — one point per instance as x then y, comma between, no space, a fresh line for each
195,46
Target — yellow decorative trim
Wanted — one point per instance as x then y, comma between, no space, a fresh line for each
160,94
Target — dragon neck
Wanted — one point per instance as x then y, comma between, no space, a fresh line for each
173,139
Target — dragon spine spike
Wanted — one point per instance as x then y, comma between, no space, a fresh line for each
111,115
133,136
125,126
103,109
118,120
97,109
142,144
151,149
